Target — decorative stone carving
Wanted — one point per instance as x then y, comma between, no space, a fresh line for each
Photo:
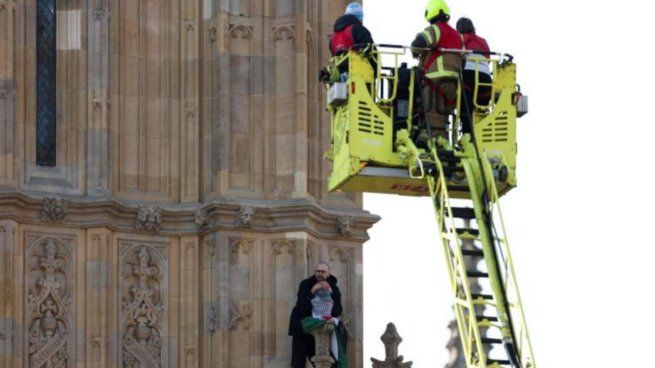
148,218
142,311
279,245
49,305
339,255
54,210
98,13
190,113
391,340
211,246
244,245
345,225
241,31
245,216
213,34
240,316
284,32
212,318
201,217
322,337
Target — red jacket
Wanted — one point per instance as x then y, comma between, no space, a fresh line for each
342,41
476,43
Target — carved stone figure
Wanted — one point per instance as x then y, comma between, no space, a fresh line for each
142,312
49,306
54,210
148,218
245,216
345,225
201,217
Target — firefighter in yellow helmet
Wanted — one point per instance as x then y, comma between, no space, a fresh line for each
440,70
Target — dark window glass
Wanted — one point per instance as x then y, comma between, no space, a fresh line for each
46,88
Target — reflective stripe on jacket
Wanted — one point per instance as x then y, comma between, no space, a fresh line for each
435,64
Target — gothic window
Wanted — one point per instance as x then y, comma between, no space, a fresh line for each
46,89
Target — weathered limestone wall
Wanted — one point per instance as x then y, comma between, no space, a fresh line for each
188,199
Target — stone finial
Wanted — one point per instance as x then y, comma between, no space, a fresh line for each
322,338
245,216
201,217
345,226
391,339
148,218
54,210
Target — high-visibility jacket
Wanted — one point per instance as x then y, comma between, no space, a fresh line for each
436,64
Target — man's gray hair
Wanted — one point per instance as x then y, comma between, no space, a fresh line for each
323,263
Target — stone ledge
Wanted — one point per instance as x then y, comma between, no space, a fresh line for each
303,215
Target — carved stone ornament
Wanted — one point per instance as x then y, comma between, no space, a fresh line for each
284,32
212,318
240,316
98,13
54,210
148,218
245,216
322,338
211,246
142,311
391,339
213,34
345,225
201,217
242,31
49,306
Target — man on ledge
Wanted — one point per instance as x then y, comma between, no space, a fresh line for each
319,302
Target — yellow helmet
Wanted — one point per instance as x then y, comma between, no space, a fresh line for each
434,8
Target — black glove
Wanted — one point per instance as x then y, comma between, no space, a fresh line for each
323,75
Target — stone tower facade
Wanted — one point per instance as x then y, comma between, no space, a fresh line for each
162,187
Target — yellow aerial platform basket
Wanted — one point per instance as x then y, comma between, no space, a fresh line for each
372,106
379,145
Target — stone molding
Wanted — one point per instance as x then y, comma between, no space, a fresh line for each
271,216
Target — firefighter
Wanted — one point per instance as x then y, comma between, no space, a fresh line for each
440,70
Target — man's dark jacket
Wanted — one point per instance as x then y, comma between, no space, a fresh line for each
303,306
360,34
